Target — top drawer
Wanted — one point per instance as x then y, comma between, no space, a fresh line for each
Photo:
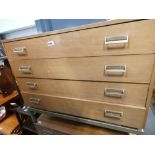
127,38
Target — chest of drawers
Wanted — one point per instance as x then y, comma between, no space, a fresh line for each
102,71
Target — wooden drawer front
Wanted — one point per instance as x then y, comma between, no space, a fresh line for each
128,38
125,94
123,115
46,131
109,68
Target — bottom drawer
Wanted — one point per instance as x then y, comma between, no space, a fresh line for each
130,116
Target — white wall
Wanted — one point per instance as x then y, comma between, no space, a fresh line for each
17,28
20,33
11,24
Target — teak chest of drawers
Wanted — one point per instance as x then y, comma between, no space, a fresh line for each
102,71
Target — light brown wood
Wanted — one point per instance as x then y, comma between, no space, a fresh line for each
8,125
76,28
60,126
135,94
88,42
76,63
8,98
132,116
139,68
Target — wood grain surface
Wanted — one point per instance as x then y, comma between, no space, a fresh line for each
135,94
90,42
132,116
8,98
8,125
138,68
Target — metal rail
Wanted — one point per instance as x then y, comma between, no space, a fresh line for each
85,120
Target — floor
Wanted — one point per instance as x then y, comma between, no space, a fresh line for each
150,125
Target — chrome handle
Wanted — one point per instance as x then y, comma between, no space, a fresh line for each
35,101
20,50
25,69
31,85
112,92
113,114
116,41
118,70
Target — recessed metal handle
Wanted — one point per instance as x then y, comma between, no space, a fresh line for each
25,69
113,92
31,85
20,50
35,101
118,70
116,41
113,114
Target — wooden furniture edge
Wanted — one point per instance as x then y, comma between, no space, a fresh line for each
7,126
8,98
75,28
84,100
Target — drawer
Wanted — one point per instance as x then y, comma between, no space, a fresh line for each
130,116
120,93
131,68
127,38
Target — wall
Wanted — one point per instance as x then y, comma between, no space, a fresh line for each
20,32
43,25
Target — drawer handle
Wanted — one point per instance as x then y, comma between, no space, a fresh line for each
25,69
35,101
113,114
20,50
116,41
31,85
119,70
112,92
